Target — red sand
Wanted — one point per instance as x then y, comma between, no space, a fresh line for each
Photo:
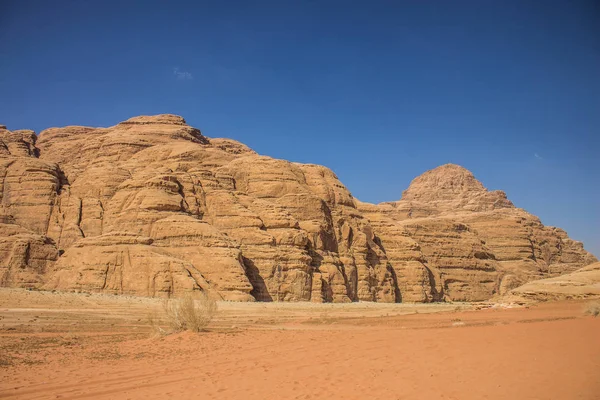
547,352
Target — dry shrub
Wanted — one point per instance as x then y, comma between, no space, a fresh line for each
189,314
155,323
593,309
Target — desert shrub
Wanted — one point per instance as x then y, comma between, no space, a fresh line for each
155,324
189,314
593,309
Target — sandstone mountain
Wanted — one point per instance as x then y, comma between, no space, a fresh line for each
152,207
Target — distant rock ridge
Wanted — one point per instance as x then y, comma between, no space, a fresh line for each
153,207
155,119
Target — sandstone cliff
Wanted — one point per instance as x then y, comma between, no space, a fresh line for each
152,207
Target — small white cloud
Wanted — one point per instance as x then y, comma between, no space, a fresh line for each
182,75
538,156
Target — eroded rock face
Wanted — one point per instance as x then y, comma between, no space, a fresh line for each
583,283
152,207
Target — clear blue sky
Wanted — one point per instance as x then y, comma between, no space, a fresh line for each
379,91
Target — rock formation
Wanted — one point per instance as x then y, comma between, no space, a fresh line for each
581,284
152,207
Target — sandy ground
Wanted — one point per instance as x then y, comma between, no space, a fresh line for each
75,346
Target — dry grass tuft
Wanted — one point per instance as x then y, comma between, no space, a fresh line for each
189,314
592,309
155,323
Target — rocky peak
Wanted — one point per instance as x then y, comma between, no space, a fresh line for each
167,126
446,182
446,189
163,119
18,143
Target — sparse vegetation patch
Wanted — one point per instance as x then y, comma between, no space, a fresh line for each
186,314
593,309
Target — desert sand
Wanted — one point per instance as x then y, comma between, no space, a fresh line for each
78,346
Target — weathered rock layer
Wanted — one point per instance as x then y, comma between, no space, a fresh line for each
581,284
152,207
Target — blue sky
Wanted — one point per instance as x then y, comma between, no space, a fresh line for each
378,91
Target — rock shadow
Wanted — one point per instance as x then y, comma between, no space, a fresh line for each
259,287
